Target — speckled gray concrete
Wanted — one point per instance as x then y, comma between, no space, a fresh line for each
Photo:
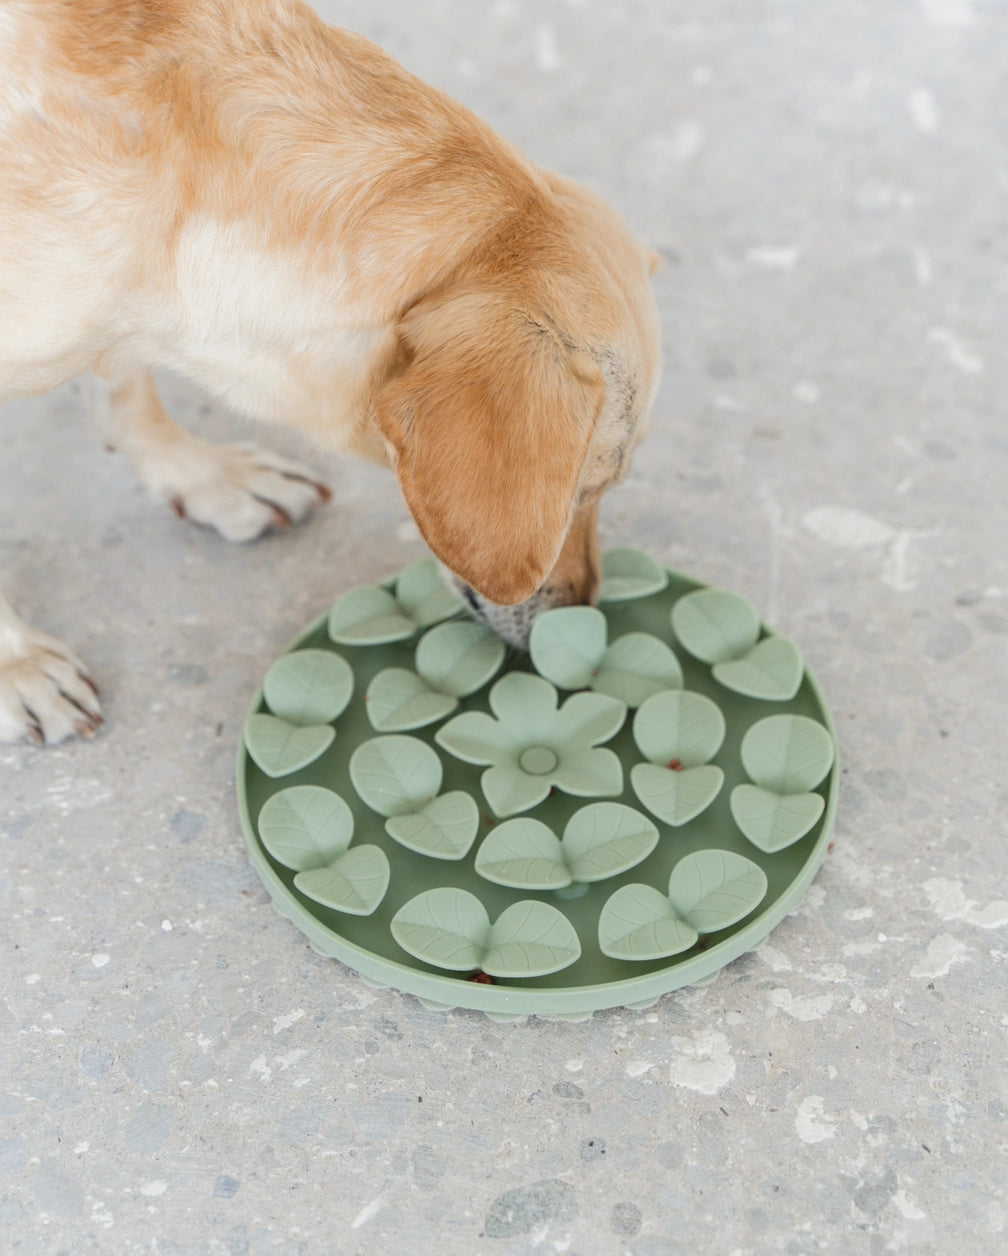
182,1076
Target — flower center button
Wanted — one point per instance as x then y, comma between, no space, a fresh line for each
538,760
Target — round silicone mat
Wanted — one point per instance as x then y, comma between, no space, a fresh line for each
620,813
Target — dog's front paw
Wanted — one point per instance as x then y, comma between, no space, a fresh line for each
242,491
46,693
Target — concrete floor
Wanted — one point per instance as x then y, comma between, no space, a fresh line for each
183,1076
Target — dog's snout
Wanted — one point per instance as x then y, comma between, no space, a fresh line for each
582,592
577,575
514,623
574,581
584,589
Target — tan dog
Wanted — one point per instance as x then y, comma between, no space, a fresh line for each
274,208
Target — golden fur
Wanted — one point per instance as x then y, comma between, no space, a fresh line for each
234,190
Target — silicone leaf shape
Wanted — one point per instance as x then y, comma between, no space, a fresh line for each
590,773
586,719
398,700
567,645
395,775
369,615
788,754
526,705
676,797
308,686
459,658
679,726
530,939
305,826
606,838
279,748
509,790
712,889
356,883
523,853
443,829
715,625
475,737
772,821
771,671
450,928
446,927
639,923
630,573
636,667
423,594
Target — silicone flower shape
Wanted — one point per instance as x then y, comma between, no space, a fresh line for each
530,745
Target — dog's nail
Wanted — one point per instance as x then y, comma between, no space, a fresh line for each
178,507
33,728
86,729
322,491
281,519
92,719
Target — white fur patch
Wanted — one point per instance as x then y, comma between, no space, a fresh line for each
257,328
19,94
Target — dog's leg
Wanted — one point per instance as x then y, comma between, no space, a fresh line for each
240,490
46,693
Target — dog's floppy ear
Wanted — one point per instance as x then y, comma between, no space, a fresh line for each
488,415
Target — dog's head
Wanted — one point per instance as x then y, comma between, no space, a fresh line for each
517,396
